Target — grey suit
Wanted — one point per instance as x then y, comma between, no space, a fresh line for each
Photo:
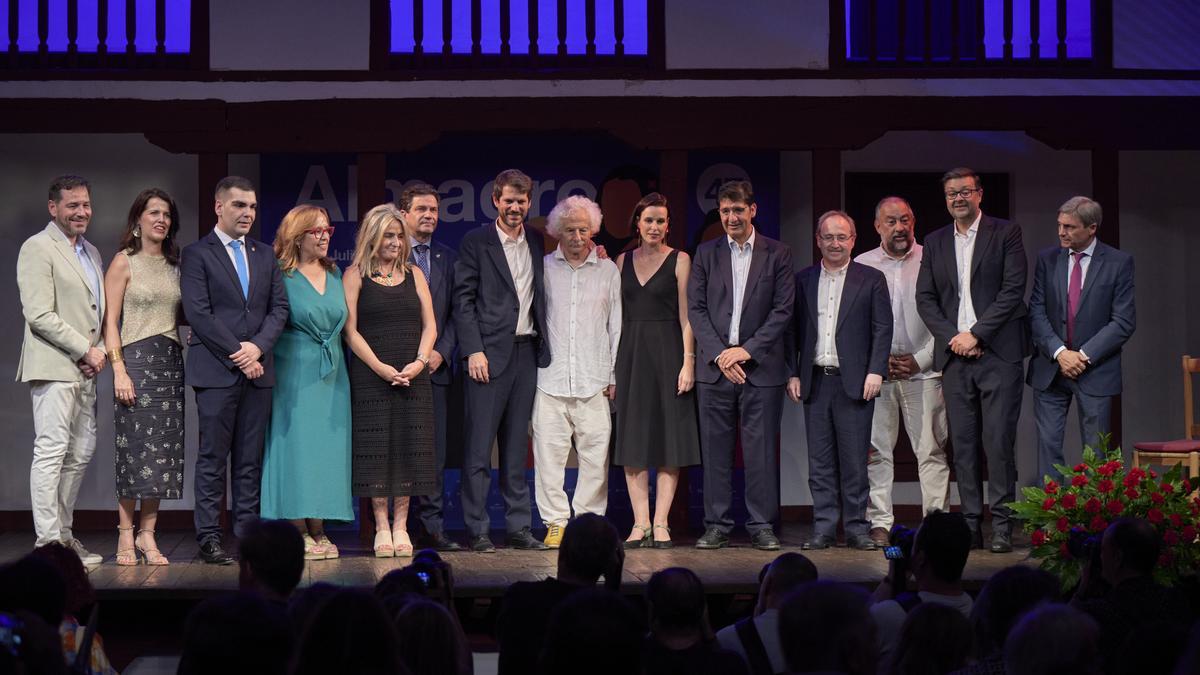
1104,321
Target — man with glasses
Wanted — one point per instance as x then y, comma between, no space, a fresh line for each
843,329
971,294
913,390
740,296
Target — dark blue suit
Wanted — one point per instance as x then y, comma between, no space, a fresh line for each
486,310
233,411
754,407
837,418
441,289
1104,321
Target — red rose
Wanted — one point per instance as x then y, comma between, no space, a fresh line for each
1098,524
1064,524
1137,473
1131,493
1051,487
1176,520
1187,486
1170,537
1079,481
1037,538
1092,505
1156,497
1068,500
1115,507
1105,486
1080,468
1153,473
1108,468
1167,487
1048,504
1064,551
1155,516
1130,481
1188,533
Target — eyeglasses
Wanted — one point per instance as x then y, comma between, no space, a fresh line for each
319,231
839,238
964,193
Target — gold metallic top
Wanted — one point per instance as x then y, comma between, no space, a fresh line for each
151,299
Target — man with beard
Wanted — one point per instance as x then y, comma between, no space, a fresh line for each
59,278
971,295
418,206
843,329
913,389
500,315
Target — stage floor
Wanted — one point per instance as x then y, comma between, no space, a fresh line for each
729,571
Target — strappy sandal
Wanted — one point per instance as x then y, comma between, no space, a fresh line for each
331,551
404,550
383,544
313,550
643,541
663,543
127,557
153,556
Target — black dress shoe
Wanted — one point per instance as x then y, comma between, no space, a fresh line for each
976,540
860,542
712,539
482,544
212,553
880,536
525,541
438,541
765,540
1001,542
818,542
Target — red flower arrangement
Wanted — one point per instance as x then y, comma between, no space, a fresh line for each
1099,490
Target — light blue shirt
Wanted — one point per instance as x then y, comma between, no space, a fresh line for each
93,276
740,256
233,255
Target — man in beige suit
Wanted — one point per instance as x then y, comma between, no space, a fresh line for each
60,277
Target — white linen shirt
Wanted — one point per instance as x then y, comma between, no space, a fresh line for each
740,257
964,250
520,266
909,333
829,302
583,319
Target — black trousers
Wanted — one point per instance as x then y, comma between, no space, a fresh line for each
233,426
839,439
430,508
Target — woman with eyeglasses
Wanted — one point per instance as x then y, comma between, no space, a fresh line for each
306,464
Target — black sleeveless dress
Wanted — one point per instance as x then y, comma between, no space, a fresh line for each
654,426
392,427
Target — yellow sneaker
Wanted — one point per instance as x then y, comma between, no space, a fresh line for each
554,534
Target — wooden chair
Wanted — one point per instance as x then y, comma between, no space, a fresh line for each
1182,451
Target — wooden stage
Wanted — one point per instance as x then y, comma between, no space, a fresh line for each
730,571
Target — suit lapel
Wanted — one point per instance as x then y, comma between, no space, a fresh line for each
849,294
949,257
758,260
1060,280
814,280
250,248
724,268
982,239
437,270
496,250
223,260
64,248
1093,272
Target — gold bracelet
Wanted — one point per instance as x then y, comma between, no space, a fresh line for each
422,358
115,356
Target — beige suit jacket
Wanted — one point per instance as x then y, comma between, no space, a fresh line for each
62,314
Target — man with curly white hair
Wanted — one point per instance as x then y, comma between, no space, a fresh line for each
583,319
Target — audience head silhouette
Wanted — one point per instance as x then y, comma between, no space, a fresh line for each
591,548
827,626
1051,640
941,547
593,632
272,558
241,624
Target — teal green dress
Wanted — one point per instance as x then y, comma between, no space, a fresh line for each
306,464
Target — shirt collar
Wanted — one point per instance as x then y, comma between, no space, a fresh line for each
833,273
225,239
591,258
504,235
413,243
749,240
973,229
1090,250
883,253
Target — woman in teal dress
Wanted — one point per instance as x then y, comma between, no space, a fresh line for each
306,465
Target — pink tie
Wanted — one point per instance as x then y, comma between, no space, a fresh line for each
1073,290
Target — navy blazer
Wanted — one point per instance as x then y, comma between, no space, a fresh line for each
863,332
1104,321
221,318
485,297
766,309
998,279
442,259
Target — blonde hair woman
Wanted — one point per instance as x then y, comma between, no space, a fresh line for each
306,463
390,330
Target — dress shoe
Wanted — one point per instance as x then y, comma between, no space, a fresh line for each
712,539
880,536
1001,542
765,540
818,542
976,540
524,540
85,556
482,544
212,553
860,542
438,541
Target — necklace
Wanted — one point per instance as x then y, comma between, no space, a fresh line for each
386,279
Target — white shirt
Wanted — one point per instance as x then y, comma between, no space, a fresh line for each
1084,264
740,256
829,302
225,239
520,266
964,250
583,319
909,333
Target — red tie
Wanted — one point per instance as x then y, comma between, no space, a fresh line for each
1073,290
